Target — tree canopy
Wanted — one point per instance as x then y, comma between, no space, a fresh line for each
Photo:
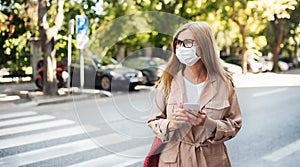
126,26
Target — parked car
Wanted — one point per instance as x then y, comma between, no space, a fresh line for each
269,64
151,67
105,73
253,64
231,68
292,62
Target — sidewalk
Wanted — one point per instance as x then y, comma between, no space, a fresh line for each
288,78
12,94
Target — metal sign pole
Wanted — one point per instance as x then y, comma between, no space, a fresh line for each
70,33
81,70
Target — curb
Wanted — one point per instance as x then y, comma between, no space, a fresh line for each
63,99
82,95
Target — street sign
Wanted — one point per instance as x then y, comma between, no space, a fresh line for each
81,31
81,41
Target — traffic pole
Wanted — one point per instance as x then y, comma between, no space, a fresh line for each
70,33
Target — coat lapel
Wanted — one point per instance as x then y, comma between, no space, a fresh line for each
178,87
208,91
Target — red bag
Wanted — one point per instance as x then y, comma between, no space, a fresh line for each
151,160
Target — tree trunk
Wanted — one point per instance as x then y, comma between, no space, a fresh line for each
242,28
278,30
244,48
47,41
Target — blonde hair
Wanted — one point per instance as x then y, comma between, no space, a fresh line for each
209,56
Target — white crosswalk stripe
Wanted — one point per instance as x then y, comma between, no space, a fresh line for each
56,133
48,153
17,114
32,127
120,159
26,120
40,137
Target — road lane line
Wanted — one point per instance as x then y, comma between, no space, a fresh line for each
41,137
26,120
47,153
119,159
36,126
109,139
283,152
17,114
269,92
57,151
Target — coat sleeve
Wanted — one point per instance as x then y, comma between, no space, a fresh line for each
158,121
228,126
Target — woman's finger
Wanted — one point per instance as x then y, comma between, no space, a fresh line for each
181,117
180,105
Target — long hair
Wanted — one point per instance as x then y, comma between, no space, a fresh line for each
208,51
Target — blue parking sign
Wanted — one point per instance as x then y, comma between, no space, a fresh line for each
81,31
81,24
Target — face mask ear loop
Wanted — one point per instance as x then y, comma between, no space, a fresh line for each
195,50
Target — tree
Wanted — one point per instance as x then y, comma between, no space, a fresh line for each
241,12
292,33
276,12
14,26
47,35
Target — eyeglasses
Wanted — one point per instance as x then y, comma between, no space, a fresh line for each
187,43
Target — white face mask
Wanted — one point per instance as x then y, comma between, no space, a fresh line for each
187,56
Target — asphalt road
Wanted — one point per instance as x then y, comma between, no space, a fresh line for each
112,131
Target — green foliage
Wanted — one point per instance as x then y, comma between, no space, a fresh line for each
127,23
14,49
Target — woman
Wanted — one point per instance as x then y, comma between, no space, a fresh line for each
194,75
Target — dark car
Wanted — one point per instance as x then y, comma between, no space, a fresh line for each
106,74
292,62
151,67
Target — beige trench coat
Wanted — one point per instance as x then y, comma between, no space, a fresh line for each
193,146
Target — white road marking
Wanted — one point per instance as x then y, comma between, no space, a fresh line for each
270,92
109,139
40,137
17,114
119,159
26,120
48,153
36,126
283,152
57,151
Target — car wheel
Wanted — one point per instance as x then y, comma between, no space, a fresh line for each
146,80
39,83
132,87
105,83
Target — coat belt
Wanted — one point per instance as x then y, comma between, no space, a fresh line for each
194,156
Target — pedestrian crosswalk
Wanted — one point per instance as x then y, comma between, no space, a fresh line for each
31,139
114,159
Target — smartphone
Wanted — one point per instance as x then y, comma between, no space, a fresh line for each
193,106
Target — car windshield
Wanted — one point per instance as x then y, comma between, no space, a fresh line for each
105,61
108,61
157,62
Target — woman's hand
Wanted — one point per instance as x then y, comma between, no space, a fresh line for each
201,117
180,118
